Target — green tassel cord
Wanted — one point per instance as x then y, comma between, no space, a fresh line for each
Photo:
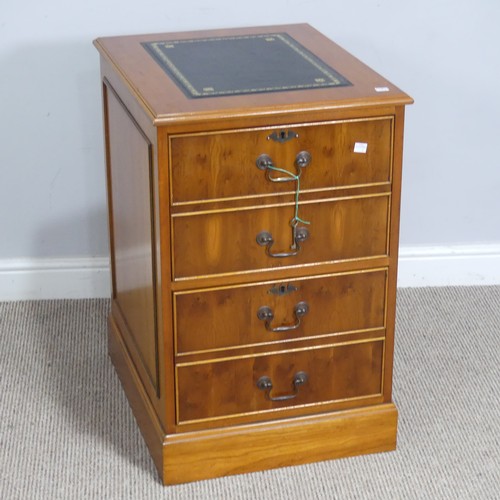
296,219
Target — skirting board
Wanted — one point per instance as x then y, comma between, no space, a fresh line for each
457,265
76,278
66,278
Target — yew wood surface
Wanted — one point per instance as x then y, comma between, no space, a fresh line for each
237,450
225,242
394,249
223,165
196,401
166,103
211,453
215,319
228,387
140,401
130,169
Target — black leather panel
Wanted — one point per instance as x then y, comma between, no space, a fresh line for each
238,65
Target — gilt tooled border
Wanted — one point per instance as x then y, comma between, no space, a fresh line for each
155,49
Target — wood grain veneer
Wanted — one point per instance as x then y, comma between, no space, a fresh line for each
186,204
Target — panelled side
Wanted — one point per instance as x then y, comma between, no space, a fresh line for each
132,227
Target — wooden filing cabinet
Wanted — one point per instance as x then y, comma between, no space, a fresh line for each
254,188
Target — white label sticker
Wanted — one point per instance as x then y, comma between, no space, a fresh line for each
360,147
381,89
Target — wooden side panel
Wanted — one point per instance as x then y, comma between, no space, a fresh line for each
130,175
223,165
225,317
139,401
225,242
220,388
394,248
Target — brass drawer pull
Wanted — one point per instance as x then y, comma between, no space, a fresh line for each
266,314
299,234
303,159
265,384
265,162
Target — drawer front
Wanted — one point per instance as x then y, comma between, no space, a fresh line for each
300,308
224,388
223,165
226,242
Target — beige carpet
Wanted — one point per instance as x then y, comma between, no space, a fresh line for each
66,431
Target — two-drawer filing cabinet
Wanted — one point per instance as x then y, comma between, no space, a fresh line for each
254,188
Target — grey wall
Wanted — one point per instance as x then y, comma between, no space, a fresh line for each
445,53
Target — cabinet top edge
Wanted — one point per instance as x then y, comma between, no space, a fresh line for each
166,102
